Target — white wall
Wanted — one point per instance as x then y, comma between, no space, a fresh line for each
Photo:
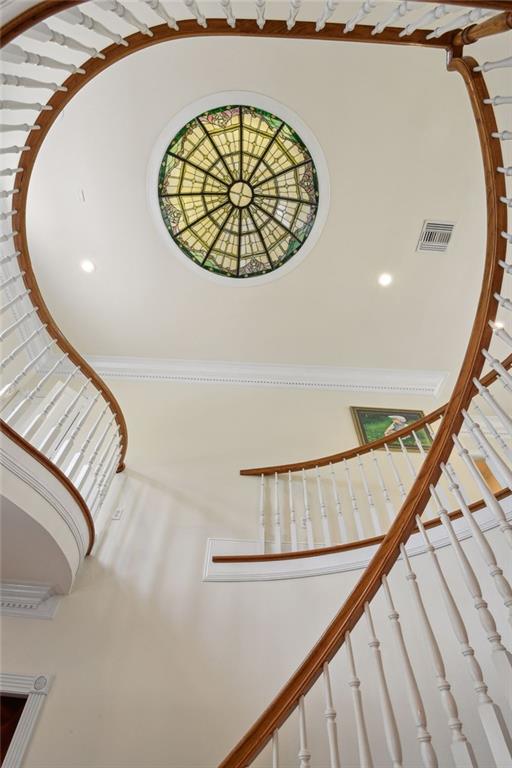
154,668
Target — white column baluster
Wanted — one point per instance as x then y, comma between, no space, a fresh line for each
293,520
492,457
353,501
471,17
501,333
494,432
228,10
10,328
400,10
35,390
488,65
497,101
43,34
323,510
262,513
407,458
76,16
494,406
114,6
462,751
293,12
105,460
11,280
386,708
363,744
503,375
60,453
330,717
55,430
387,501
84,473
275,749
371,505
105,482
502,136
277,514
327,11
260,13
194,10
489,713
500,655
307,515
7,128
14,301
159,9
501,583
41,417
339,514
29,82
366,8
13,106
74,465
396,474
8,389
427,752
16,55
492,503
431,15
14,254
304,753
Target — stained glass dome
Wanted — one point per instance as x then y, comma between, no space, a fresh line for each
238,191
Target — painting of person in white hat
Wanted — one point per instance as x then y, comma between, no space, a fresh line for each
397,423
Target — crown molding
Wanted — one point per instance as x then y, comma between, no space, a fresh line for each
31,601
389,381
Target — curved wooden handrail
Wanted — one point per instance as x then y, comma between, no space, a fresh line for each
56,472
298,554
333,637
360,450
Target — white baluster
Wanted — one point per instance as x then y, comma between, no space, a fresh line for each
112,449
500,656
275,749
330,717
503,587
492,457
462,751
10,171
95,486
353,501
339,514
74,465
307,515
160,11
11,105
76,16
55,430
9,214
277,514
228,10
114,6
41,417
323,511
5,239
396,474
304,753
29,82
366,8
386,708
35,390
497,101
492,504
194,10
488,65
427,752
502,136
494,432
494,406
84,473
371,506
501,333
262,513
17,323
11,280
14,301
431,15
293,520
292,14
16,55
471,17
62,451
505,170
363,743
503,375
387,501
21,375
105,483
43,34
328,10
489,713
10,256
400,11
260,13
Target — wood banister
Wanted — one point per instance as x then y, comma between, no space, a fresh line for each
369,583
360,450
493,26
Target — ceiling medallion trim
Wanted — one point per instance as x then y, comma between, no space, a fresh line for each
260,102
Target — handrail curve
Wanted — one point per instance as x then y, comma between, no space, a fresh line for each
359,450
352,609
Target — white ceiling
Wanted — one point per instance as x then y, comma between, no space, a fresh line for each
400,143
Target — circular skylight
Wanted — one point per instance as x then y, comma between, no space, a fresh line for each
238,191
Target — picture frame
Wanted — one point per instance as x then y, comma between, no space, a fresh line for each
372,423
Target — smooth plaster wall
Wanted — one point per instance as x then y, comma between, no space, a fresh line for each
156,669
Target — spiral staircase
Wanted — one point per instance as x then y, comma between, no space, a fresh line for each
65,437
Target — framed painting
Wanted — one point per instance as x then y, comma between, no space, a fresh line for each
373,423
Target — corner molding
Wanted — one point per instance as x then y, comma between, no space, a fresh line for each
35,688
390,381
30,601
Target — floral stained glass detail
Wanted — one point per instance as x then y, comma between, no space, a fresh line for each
238,191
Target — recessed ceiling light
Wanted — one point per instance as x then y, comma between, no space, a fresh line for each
385,279
87,265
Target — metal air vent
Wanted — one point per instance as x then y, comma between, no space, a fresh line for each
435,236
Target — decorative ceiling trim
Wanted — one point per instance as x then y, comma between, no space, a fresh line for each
388,381
31,601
